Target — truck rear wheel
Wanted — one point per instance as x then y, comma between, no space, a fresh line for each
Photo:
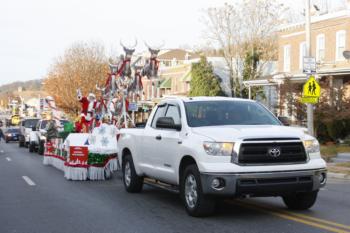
132,182
300,201
196,203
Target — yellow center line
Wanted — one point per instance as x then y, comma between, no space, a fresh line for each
295,217
299,215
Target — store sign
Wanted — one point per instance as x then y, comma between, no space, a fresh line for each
78,154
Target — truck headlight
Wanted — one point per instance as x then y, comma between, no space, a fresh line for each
218,148
312,147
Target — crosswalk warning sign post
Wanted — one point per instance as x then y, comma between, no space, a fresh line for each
311,88
311,91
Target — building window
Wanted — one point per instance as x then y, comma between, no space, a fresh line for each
174,62
340,45
286,58
320,47
302,54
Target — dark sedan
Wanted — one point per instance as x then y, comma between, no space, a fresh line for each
12,135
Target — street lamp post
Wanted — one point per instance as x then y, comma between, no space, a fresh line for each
310,110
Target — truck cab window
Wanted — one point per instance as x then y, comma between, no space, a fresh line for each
173,112
159,113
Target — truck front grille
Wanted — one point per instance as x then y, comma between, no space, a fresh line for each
272,153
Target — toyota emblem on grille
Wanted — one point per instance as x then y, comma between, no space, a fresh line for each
274,152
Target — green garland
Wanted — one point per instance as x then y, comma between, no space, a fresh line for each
98,159
60,152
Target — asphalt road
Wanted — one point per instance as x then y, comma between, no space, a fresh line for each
37,198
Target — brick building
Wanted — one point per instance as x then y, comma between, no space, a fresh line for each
330,37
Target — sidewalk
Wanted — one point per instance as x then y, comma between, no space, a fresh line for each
339,168
341,158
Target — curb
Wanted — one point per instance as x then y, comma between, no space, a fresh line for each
338,176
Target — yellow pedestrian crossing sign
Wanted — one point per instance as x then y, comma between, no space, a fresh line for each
311,91
311,88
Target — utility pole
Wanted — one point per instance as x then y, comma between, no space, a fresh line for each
310,110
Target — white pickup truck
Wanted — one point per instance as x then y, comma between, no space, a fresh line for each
217,147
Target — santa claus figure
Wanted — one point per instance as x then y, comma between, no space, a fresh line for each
88,107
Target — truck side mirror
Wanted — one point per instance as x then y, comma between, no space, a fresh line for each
285,120
167,123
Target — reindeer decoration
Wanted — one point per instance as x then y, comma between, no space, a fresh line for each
124,67
124,83
150,69
136,87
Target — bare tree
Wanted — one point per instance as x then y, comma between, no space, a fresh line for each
83,65
244,29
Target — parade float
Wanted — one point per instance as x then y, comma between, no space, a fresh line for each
90,151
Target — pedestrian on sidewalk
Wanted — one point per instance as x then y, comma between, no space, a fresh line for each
1,134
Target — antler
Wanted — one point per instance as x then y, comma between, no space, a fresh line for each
155,47
161,45
146,44
131,47
121,43
100,89
134,43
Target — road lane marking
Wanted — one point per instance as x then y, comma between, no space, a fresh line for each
8,159
28,180
307,217
295,217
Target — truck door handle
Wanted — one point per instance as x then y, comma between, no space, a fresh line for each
158,137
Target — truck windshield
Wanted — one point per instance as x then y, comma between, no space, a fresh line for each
213,113
30,123
43,124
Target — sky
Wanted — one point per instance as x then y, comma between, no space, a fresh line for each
35,32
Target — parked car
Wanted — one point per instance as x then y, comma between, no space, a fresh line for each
12,134
215,147
26,127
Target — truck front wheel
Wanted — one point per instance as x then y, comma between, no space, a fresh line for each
300,201
132,182
196,203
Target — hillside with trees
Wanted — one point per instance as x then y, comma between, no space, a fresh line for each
28,88
31,85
